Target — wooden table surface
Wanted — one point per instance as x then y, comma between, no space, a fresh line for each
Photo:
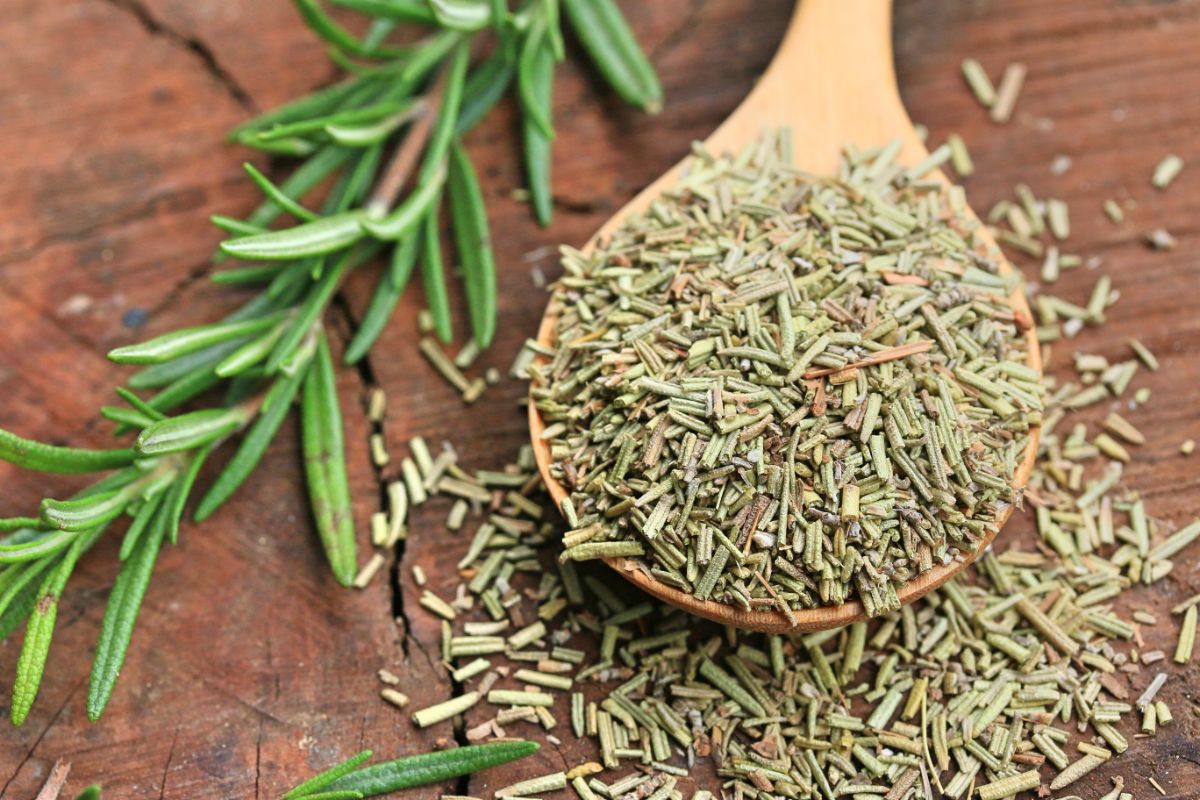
250,669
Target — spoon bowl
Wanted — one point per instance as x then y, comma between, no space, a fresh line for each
831,83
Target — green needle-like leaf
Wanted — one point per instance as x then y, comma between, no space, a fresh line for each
180,491
33,455
46,544
468,219
323,779
20,606
409,213
610,44
19,581
17,523
90,793
308,314
277,195
484,88
250,353
325,465
535,69
309,175
40,630
462,15
447,119
274,409
188,340
145,514
426,768
391,285
399,10
236,226
84,513
324,26
316,238
537,79
124,603
433,278
188,431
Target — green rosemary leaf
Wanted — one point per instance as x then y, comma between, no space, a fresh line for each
138,403
188,431
307,176
39,630
277,195
274,409
167,373
610,44
323,779
146,513
433,278
245,276
426,768
317,104
47,544
82,514
184,389
250,353
443,130
409,213
538,78
124,603
317,238
188,340
307,315
339,37
18,581
325,465
391,285
486,85
358,180
90,793
18,523
16,609
181,489
468,218
236,226
462,15
126,418
341,794
428,54
366,134
400,10
382,108
29,454
535,70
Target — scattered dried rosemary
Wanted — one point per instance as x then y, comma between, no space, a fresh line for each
1020,667
783,391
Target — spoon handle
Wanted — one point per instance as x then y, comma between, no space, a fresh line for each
832,82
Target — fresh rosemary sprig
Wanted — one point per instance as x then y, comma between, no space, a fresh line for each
398,119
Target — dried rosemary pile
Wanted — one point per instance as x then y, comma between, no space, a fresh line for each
783,391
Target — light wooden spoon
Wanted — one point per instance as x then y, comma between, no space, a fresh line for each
832,83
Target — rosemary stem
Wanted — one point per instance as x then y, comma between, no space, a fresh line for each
401,165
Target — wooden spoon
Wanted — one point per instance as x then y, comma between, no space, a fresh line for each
832,83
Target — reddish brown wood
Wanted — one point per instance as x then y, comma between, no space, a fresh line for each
250,669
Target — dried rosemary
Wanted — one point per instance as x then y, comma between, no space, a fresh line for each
780,391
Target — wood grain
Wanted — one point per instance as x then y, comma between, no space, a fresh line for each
250,669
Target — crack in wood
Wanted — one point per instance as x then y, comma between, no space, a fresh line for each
199,49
